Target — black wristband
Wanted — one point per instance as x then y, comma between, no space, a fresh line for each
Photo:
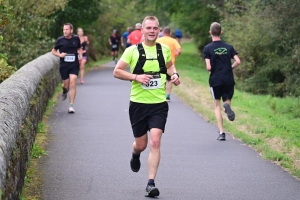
176,74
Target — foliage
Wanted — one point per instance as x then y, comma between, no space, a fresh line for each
5,69
267,41
5,14
80,13
25,37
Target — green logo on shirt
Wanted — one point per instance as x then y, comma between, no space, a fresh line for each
220,51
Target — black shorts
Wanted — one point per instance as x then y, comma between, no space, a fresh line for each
224,91
144,117
66,70
114,49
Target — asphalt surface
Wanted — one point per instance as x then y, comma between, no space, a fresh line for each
89,153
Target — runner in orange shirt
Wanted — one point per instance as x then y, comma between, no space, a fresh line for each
175,51
135,36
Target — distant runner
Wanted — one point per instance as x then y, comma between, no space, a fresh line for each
178,35
70,53
218,55
136,35
148,111
125,37
84,42
175,52
114,42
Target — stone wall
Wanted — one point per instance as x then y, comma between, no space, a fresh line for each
23,99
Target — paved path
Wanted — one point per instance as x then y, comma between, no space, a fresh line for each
89,154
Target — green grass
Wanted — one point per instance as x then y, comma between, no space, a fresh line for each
269,124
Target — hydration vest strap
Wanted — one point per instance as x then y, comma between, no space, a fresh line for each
142,60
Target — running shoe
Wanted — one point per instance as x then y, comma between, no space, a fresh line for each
135,164
168,99
151,191
64,96
116,61
221,136
71,110
229,112
81,81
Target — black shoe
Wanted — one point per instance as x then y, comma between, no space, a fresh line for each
229,112
64,94
151,191
221,136
135,164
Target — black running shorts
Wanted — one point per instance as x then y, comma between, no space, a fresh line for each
144,117
66,70
224,91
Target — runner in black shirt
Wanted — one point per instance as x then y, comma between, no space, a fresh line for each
114,41
68,48
218,55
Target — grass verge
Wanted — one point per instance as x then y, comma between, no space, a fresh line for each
268,124
33,180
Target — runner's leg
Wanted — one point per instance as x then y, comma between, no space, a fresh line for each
66,84
154,155
219,115
82,65
140,144
73,79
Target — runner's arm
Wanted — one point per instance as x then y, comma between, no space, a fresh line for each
208,66
171,70
122,41
80,52
56,53
120,73
109,40
177,52
237,62
86,39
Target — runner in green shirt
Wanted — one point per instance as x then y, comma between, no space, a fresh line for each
148,108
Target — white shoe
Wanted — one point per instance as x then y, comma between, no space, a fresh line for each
71,110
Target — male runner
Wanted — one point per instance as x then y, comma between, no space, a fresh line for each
218,55
114,41
175,51
125,36
135,36
70,53
148,108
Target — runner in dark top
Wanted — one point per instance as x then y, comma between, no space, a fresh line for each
84,42
218,55
68,48
114,42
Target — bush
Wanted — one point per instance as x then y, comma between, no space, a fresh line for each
5,70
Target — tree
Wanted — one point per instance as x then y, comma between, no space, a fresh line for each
25,37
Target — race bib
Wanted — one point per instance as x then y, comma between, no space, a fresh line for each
69,58
153,83
114,46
